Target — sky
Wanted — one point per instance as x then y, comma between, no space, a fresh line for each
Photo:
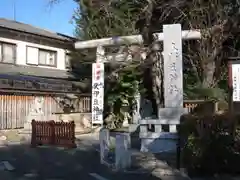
40,14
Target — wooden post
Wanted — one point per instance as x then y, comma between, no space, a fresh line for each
230,88
72,135
33,138
52,135
233,84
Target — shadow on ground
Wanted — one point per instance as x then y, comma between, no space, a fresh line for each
47,162
52,163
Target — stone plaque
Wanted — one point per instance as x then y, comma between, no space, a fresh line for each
173,66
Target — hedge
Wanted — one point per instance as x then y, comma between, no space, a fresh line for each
210,143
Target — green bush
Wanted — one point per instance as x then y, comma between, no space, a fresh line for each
209,144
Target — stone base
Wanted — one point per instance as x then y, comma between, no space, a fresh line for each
27,126
25,131
133,128
30,117
79,131
26,136
125,123
158,145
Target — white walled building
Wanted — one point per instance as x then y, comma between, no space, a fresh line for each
27,48
35,63
33,52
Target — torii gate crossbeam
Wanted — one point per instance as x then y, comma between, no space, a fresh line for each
134,39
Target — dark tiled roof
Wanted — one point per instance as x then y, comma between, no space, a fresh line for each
35,71
47,73
18,26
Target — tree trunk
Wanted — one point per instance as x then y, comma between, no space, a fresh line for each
208,74
157,77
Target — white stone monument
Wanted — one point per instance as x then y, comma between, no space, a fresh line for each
160,141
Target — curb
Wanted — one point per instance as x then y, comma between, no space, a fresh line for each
14,143
139,171
109,165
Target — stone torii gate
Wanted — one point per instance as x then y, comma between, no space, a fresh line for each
172,37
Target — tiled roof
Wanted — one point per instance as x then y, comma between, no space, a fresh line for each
47,73
34,71
18,26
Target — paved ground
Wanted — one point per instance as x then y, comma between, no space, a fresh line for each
47,163
59,164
